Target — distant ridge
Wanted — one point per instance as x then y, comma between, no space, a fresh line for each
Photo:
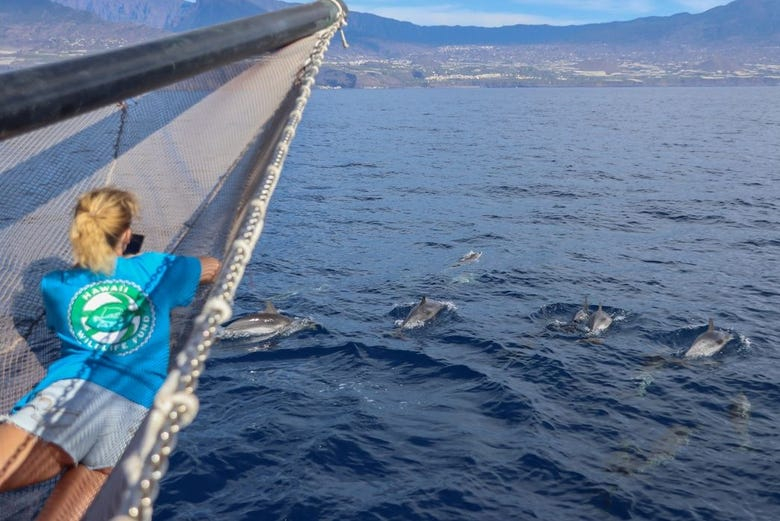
741,21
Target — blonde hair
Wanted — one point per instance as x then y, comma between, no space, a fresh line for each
99,220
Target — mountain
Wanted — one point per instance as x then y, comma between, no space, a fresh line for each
160,14
741,21
174,15
738,43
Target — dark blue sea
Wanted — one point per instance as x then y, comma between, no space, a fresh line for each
660,204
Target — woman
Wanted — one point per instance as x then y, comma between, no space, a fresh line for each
112,315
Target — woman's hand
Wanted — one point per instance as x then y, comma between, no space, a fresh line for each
209,267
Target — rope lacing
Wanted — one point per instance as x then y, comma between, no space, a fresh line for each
176,404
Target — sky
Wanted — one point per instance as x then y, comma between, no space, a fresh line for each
494,13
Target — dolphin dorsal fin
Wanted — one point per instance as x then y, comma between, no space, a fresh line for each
711,325
585,304
600,307
269,307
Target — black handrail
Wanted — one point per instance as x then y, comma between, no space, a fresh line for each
41,95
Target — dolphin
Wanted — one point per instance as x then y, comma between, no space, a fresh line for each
424,311
667,447
471,256
266,323
599,321
739,408
583,313
739,412
709,342
633,460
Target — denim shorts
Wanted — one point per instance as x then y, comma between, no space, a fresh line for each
89,422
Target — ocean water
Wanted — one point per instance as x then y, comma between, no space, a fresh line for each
661,204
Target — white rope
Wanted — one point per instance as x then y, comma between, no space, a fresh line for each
176,405
342,16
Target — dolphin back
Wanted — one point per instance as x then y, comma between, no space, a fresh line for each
582,314
424,311
709,343
267,322
599,321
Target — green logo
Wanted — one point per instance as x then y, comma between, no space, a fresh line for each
113,315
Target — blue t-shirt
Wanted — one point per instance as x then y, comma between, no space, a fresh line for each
115,330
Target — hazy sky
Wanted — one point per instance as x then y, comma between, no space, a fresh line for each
493,13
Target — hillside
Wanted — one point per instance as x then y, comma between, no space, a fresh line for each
734,44
37,31
174,15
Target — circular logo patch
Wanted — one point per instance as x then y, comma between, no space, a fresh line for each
113,315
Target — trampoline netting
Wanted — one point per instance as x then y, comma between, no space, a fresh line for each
202,154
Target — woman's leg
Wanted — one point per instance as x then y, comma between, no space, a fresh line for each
73,494
26,459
